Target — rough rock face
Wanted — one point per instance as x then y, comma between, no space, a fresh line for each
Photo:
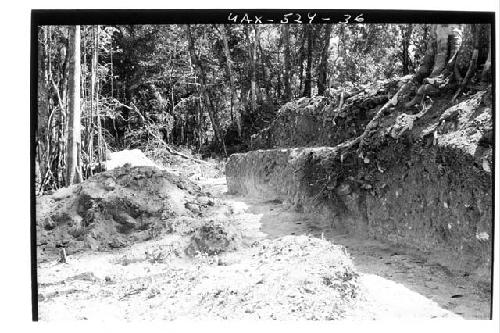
419,180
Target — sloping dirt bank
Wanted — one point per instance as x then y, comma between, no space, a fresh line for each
420,181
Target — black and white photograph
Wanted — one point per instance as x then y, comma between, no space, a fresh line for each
288,165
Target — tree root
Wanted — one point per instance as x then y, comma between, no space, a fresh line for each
470,71
374,122
430,87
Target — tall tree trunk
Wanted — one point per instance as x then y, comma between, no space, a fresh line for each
100,140
475,30
302,56
111,67
252,47
445,56
91,97
43,129
65,73
63,115
486,73
232,87
285,30
323,66
308,77
73,167
41,97
254,68
407,30
265,77
87,121
205,94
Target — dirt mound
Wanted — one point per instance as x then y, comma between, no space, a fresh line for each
294,277
290,278
116,207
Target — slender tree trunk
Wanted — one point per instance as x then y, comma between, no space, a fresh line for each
323,67
251,52
111,67
302,56
93,65
232,87
308,78
407,30
100,141
73,168
205,94
279,85
473,60
285,30
265,80
87,121
65,74
43,129
441,56
244,97
61,91
254,68
486,73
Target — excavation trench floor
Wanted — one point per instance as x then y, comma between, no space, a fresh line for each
121,284
399,283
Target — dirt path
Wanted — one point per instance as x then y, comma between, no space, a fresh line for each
398,283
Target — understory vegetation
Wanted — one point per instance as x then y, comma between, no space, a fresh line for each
208,88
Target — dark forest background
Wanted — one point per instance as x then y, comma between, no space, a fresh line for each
207,88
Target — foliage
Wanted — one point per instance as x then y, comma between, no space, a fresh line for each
147,88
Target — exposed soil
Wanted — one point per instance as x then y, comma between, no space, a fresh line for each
149,242
216,264
150,280
115,208
417,180
401,283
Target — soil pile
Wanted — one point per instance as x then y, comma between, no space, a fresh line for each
116,207
210,262
294,277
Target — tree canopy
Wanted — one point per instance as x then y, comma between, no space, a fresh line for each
210,87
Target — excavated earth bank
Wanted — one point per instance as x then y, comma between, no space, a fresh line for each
116,208
420,180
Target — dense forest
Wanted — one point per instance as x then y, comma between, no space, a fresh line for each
208,88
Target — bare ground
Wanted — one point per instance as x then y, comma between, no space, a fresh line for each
399,283
147,281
